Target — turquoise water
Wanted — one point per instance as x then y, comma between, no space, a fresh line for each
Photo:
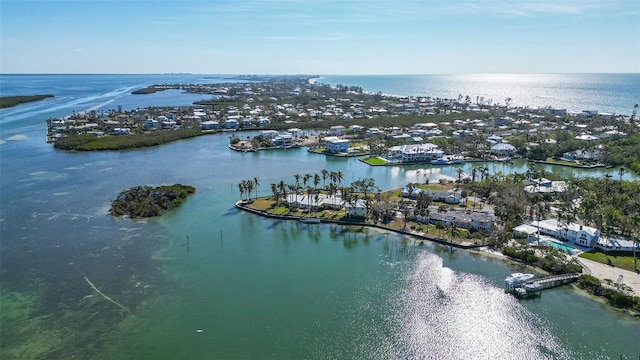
257,288
563,247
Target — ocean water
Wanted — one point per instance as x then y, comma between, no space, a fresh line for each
616,93
256,287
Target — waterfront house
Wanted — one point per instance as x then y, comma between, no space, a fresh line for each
295,132
581,235
414,152
210,125
583,155
283,140
231,124
335,145
619,245
503,149
337,130
121,131
461,219
269,134
358,209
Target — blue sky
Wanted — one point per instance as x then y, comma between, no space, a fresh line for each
320,37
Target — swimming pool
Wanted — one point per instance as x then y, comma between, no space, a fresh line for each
563,247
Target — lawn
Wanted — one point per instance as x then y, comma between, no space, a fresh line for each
620,261
374,161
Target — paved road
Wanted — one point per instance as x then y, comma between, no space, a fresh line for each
602,271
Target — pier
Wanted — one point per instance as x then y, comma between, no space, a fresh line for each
534,286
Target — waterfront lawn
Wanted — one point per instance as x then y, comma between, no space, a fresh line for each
374,161
622,261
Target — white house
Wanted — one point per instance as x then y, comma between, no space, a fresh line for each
231,124
283,140
617,245
585,236
546,186
503,149
210,125
269,134
121,131
414,152
335,145
356,210
337,130
150,124
295,132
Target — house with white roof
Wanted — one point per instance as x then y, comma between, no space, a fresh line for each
269,134
414,152
335,145
210,125
543,186
295,132
337,130
503,149
581,235
283,140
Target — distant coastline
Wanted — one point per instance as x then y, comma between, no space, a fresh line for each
10,101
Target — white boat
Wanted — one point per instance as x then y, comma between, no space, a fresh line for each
441,161
517,279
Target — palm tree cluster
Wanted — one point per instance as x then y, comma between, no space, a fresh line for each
303,185
247,186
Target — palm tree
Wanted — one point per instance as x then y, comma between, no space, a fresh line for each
474,172
275,193
256,184
440,227
248,187
453,231
620,174
460,172
297,177
305,179
316,181
283,189
339,177
325,175
242,189
607,182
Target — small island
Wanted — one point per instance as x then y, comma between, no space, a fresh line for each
10,101
151,89
147,201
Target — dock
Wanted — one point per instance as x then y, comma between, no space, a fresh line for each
534,286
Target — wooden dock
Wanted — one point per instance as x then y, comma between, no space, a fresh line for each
535,286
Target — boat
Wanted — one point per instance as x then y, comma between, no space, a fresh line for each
456,160
441,161
310,220
517,279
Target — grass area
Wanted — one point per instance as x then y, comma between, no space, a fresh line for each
374,161
9,101
561,162
622,261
